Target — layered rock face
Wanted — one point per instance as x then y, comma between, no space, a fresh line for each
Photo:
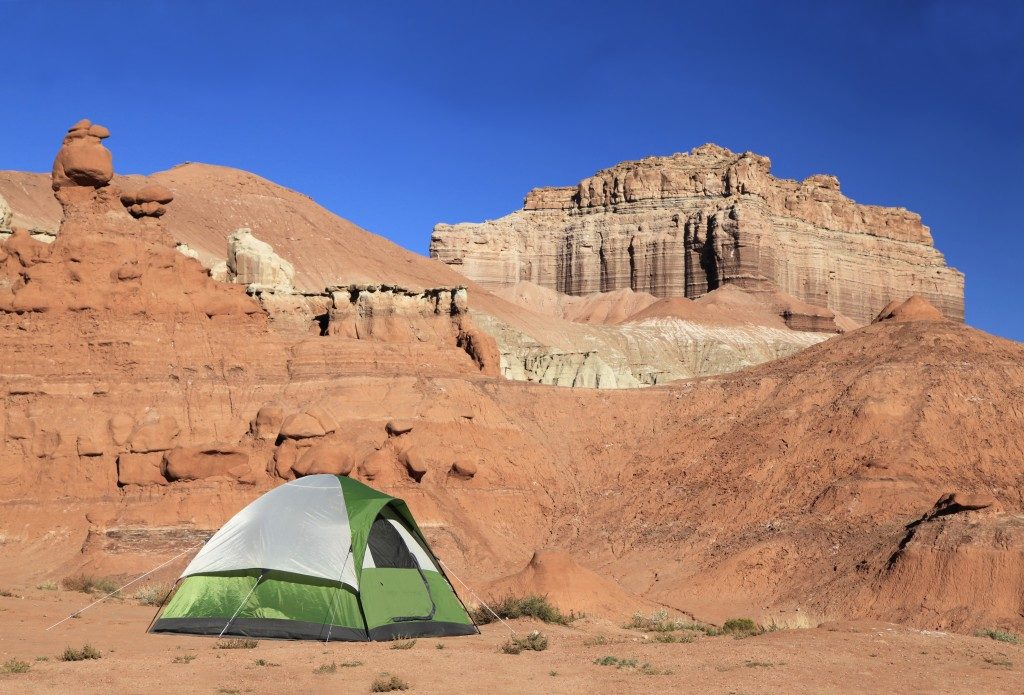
688,223
143,403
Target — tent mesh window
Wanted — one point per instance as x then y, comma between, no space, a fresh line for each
388,548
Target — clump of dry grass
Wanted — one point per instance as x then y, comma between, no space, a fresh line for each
386,683
87,584
15,666
403,644
529,606
534,641
154,594
236,644
86,652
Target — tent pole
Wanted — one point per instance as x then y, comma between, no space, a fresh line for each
239,609
341,587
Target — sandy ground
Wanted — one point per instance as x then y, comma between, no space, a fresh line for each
855,657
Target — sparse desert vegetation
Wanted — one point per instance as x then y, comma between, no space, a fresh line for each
402,644
15,666
534,641
660,622
332,667
998,635
741,627
529,606
236,643
86,652
153,594
386,683
631,664
88,584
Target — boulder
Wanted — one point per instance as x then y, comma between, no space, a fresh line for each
331,457
140,469
267,423
207,461
416,463
285,458
154,193
464,468
155,433
375,464
301,426
82,159
253,262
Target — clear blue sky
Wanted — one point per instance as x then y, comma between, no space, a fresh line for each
398,115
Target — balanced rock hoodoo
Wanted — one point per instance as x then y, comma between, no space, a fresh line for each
148,201
82,159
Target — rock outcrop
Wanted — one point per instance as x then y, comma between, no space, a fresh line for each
82,159
686,224
777,486
6,215
148,201
253,262
917,308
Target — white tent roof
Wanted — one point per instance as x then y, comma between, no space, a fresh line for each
300,527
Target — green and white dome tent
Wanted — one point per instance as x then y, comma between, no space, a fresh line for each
322,558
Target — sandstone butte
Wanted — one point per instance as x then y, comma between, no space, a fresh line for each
683,225
876,474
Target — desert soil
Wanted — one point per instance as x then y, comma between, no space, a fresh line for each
862,657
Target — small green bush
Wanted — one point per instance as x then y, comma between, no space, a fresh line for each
386,683
236,644
660,622
88,584
649,670
535,642
154,594
15,666
439,645
529,606
672,638
620,663
86,652
331,667
403,644
264,662
741,627
998,635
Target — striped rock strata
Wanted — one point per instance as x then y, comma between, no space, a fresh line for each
688,223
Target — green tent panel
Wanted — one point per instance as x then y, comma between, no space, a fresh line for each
323,558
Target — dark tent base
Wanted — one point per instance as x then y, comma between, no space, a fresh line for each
272,628
427,628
